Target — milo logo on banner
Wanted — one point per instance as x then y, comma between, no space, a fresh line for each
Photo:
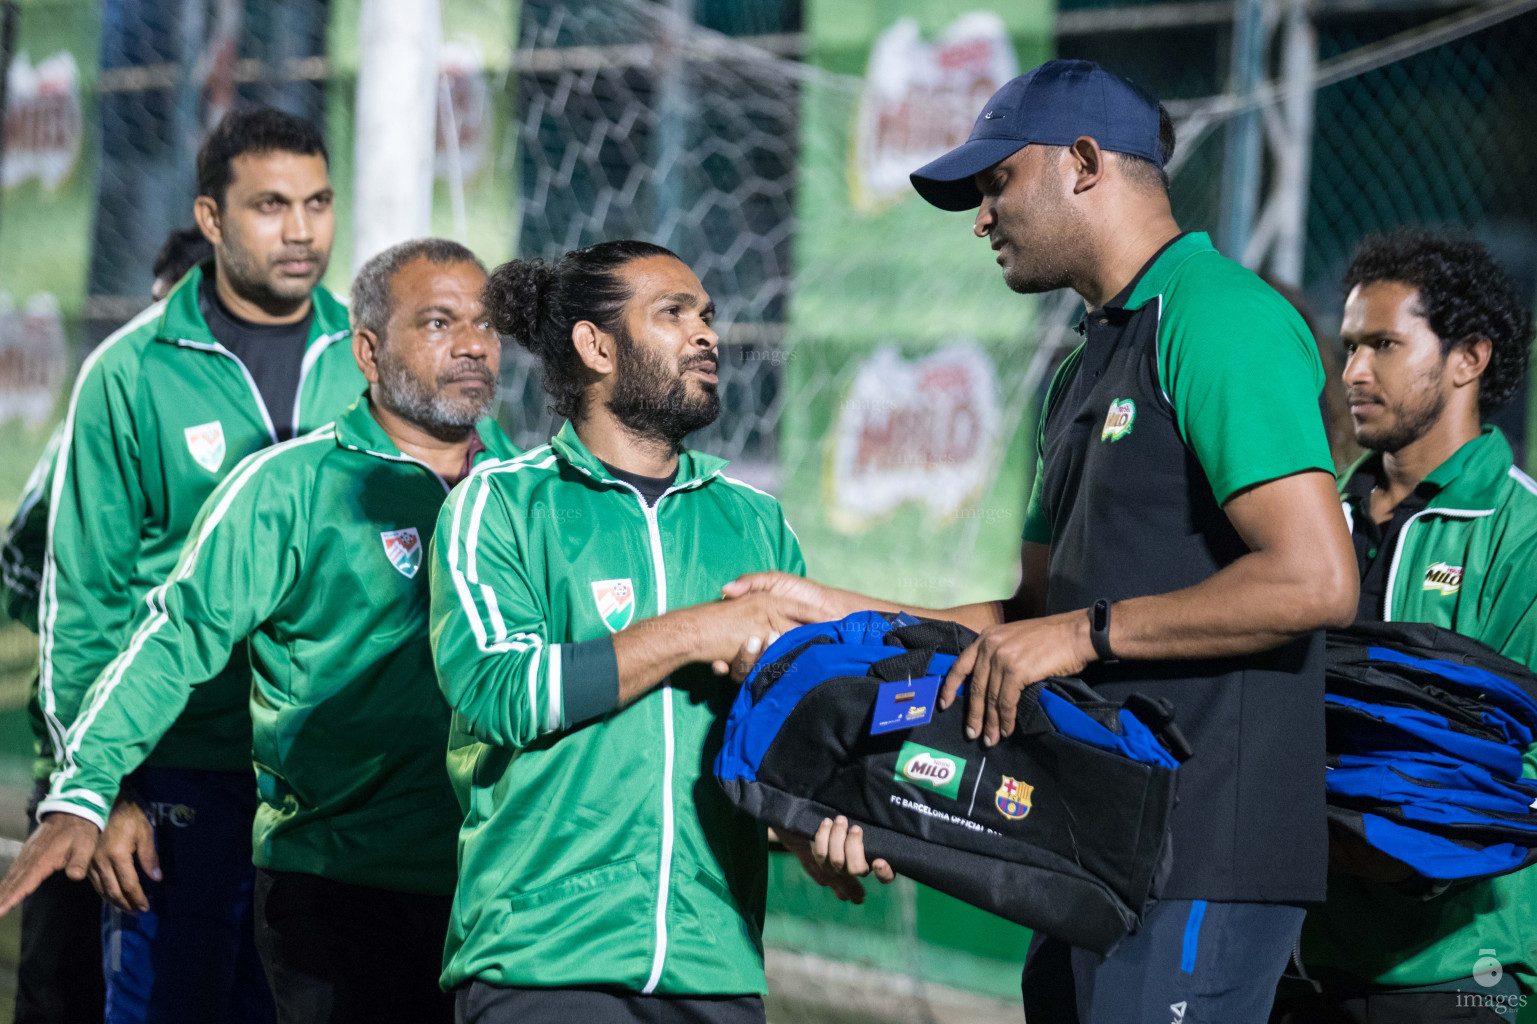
931,769
918,99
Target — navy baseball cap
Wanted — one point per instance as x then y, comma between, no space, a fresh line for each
1057,103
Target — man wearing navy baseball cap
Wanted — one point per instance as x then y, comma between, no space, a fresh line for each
1182,540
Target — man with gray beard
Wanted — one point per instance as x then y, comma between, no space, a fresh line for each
311,551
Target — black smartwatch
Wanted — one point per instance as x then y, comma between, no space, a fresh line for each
1099,631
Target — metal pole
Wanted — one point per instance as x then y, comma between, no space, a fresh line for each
1241,156
672,134
397,102
1299,59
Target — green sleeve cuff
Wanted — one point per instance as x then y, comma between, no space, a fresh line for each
589,680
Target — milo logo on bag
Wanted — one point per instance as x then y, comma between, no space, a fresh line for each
931,769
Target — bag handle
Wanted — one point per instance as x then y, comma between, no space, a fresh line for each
1158,716
922,640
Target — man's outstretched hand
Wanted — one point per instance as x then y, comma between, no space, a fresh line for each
748,625
824,600
835,858
63,842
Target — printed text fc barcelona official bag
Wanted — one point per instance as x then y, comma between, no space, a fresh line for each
1062,826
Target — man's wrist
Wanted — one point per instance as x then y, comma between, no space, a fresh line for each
66,811
1083,635
837,603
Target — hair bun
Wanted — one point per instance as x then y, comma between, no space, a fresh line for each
517,298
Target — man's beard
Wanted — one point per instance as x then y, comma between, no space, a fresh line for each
430,407
252,281
1410,423
651,397
1058,241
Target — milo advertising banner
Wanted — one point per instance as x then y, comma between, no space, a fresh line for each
906,447
46,192
47,183
912,380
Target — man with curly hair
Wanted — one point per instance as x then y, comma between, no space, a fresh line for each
1445,531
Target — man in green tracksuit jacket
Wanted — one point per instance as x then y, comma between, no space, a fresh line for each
1445,529
311,550
58,973
603,876
245,352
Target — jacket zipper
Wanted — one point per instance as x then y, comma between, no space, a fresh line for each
261,406
311,357
1403,536
403,457
1302,972
664,872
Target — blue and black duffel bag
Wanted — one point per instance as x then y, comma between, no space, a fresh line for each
1427,731
1062,827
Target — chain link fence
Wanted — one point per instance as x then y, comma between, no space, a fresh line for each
875,373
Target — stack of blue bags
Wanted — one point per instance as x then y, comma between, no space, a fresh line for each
1427,731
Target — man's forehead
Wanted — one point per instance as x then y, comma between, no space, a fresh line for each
1383,298
653,277
279,170
422,283
1381,305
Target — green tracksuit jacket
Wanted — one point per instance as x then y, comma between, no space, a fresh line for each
597,847
1483,523
311,549
159,414
21,554
21,570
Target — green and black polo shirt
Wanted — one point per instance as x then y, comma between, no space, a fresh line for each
1194,383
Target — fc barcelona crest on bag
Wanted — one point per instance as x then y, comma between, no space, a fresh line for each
1013,798
404,549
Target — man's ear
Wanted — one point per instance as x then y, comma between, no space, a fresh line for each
1469,358
595,348
1088,163
206,212
365,350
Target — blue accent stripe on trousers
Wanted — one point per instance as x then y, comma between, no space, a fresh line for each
1192,935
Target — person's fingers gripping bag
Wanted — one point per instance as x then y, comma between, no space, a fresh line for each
1063,826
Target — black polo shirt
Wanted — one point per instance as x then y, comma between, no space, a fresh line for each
1194,383
1375,542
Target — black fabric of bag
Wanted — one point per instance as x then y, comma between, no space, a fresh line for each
1388,688
1082,865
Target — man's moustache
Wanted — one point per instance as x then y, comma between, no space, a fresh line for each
478,372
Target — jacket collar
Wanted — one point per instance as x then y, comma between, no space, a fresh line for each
357,429
1470,479
181,321
694,468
